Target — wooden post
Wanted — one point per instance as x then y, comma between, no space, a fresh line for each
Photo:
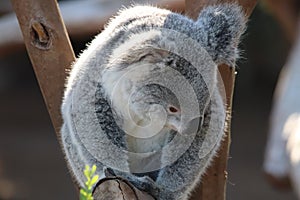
213,186
49,49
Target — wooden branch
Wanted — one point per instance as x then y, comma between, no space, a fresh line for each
116,188
49,49
91,15
213,186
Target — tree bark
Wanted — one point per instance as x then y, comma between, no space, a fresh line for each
116,188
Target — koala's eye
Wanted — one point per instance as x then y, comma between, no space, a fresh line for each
172,109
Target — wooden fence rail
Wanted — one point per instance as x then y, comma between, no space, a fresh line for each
51,54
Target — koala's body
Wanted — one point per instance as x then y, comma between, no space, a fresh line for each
143,99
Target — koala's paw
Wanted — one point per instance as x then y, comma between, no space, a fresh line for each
108,172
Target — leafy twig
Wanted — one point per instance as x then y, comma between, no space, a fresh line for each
86,192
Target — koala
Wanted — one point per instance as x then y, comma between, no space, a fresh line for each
145,101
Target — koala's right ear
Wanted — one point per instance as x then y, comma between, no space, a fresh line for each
222,27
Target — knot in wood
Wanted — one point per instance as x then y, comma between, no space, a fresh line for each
40,35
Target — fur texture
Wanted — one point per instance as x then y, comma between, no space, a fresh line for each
139,65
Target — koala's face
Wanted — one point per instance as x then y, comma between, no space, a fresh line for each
155,105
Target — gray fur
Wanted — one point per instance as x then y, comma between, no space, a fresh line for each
95,129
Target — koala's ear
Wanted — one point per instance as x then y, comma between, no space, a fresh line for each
222,27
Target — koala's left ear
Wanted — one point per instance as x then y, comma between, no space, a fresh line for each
222,27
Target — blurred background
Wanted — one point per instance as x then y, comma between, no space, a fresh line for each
31,162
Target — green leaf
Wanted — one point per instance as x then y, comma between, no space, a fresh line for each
94,179
93,170
83,194
86,192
